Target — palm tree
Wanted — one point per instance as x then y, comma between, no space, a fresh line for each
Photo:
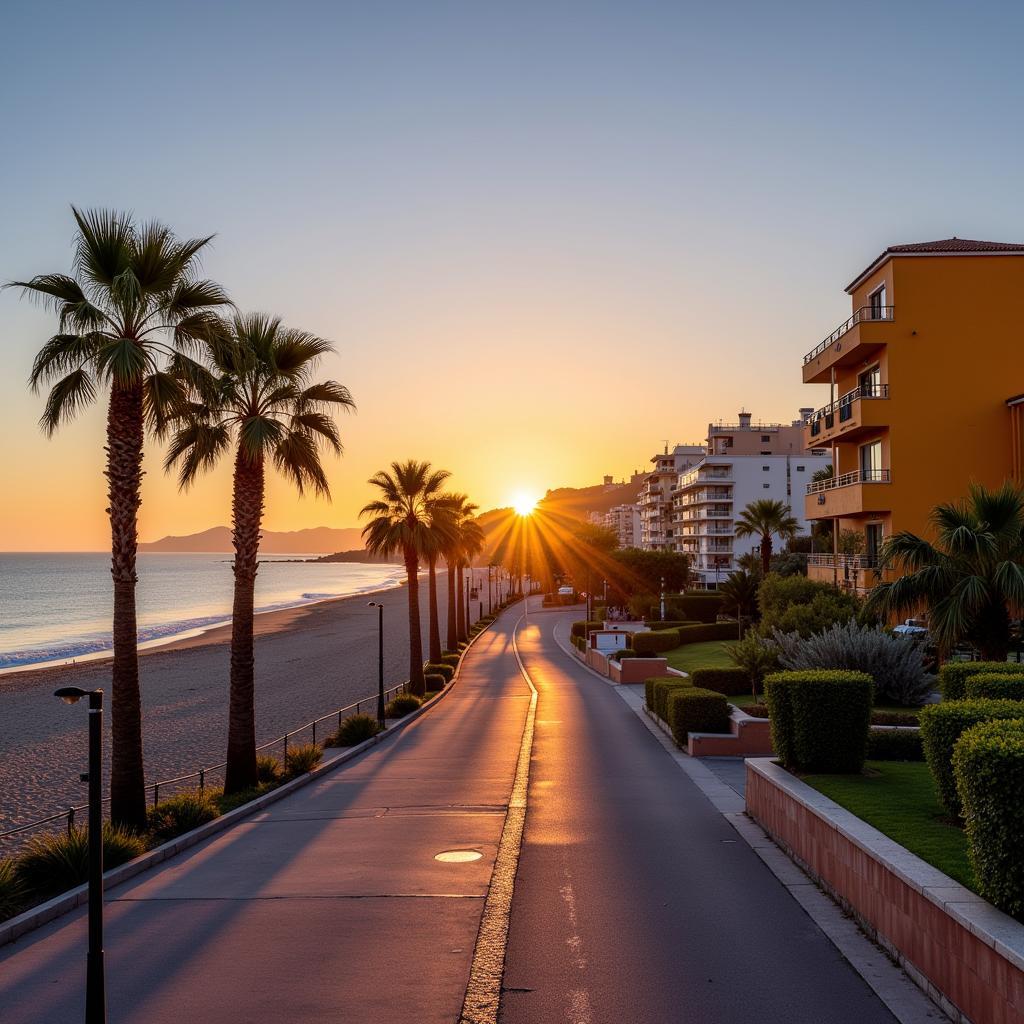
470,544
131,307
444,527
765,517
462,511
970,579
260,397
400,521
739,590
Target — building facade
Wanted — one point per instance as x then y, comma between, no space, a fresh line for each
624,520
925,382
654,502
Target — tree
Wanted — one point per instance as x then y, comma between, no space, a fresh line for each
762,518
401,522
131,307
470,543
739,590
826,473
444,531
796,604
970,579
634,571
260,397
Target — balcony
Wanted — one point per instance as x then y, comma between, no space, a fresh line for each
863,490
865,332
709,494
852,414
854,572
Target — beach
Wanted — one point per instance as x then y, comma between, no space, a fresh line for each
309,660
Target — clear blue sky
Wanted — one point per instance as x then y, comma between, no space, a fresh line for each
497,209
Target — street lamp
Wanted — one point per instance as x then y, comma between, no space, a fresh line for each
380,660
662,605
95,984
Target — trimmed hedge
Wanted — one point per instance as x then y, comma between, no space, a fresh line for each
439,669
660,688
656,624
435,682
625,652
997,685
953,675
656,642
820,718
584,626
704,632
942,725
895,718
691,709
448,658
988,764
703,607
729,681
895,745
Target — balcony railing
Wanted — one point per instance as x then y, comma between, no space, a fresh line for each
844,406
844,561
864,314
858,476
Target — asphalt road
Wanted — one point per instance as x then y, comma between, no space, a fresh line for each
635,900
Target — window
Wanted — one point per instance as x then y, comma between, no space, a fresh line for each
765,453
876,303
870,382
765,468
800,469
871,461
766,486
765,438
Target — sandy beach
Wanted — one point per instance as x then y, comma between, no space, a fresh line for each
309,660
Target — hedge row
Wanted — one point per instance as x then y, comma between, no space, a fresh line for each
692,709
730,681
583,627
998,685
702,607
820,718
895,745
943,724
707,631
656,642
658,692
440,668
953,675
988,764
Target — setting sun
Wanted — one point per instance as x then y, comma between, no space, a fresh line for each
524,504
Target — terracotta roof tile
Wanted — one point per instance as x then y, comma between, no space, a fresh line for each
952,246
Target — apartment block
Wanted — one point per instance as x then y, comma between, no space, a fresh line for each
654,502
925,383
624,520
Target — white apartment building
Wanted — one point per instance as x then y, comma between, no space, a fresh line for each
745,462
624,520
654,502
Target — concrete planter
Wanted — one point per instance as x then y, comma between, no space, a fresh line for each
968,956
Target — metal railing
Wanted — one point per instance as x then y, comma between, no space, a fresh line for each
844,406
844,561
858,476
865,314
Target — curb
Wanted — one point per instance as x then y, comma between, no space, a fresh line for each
58,906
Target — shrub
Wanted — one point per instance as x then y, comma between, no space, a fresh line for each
658,624
895,663
625,652
13,893
450,658
756,710
691,709
988,765
268,769
999,685
661,687
434,682
703,632
640,605
354,730
656,642
402,705
953,675
182,813
895,745
301,759
50,864
439,669
583,627
895,718
703,606
795,604
729,681
820,718
941,726
756,656
417,688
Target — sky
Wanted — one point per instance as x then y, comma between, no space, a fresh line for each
544,236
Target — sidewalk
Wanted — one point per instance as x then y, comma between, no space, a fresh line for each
327,907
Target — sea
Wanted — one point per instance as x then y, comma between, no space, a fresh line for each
56,608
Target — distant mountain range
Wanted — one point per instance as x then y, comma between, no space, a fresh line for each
315,541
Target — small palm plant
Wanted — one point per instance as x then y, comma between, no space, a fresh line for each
259,395
401,521
763,518
970,579
132,307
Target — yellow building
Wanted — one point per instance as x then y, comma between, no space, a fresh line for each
925,379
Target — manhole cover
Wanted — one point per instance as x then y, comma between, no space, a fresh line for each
457,856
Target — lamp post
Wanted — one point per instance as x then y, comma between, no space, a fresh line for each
662,603
95,983
380,660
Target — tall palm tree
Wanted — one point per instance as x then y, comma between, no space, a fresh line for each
970,579
260,397
444,526
131,307
463,511
400,521
471,543
765,517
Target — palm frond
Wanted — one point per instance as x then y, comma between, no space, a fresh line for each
66,398
61,354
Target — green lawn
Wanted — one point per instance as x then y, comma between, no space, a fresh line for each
899,799
710,654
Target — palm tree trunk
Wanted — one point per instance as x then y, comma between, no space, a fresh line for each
124,483
434,627
453,636
246,517
766,552
417,684
460,604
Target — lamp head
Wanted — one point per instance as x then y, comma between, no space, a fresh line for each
71,694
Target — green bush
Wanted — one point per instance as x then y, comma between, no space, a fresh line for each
820,718
625,652
796,604
988,765
182,813
730,681
895,745
895,718
268,769
51,864
998,685
439,668
660,688
756,710
417,689
301,759
13,893
434,682
756,657
655,642
702,633
941,726
354,730
691,709
953,675
583,627
402,705
657,624
703,606
450,658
